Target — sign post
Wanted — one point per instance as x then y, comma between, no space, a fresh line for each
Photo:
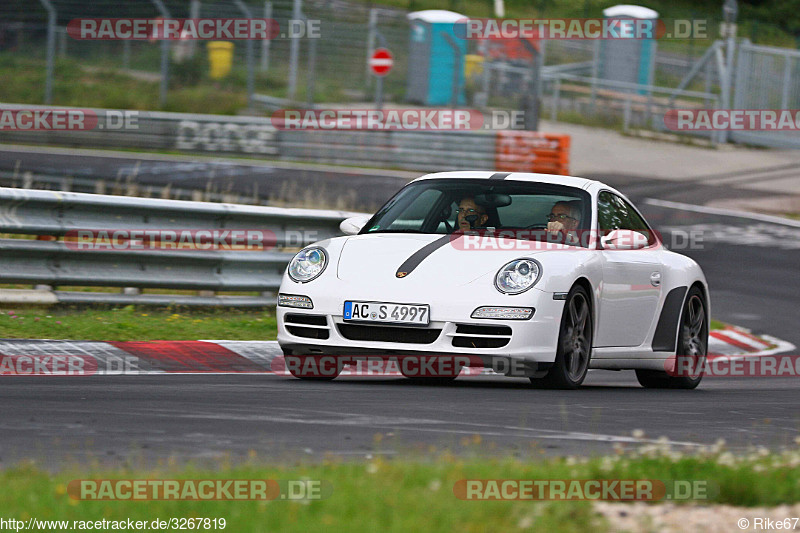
381,64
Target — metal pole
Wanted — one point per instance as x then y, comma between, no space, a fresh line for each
194,12
266,42
162,93
556,100
379,94
311,71
126,54
730,10
62,43
249,50
379,85
595,71
371,28
531,99
455,89
51,50
294,50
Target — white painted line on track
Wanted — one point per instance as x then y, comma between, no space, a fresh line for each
724,212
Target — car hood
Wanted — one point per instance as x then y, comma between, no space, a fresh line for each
375,259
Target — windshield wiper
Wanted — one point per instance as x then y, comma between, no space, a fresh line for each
404,230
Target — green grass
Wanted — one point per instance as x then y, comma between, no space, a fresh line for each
135,324
412,495
147,323
716,324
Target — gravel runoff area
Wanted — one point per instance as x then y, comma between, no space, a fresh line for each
641,517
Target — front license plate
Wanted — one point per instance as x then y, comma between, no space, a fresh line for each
387,312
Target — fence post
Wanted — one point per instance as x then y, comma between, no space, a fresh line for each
266,42
595,72
787,79
194,13
51,50
249,51
294,50
455,89
556,100
311,71
162,93
372,25
62,43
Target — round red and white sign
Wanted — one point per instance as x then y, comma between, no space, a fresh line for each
381,62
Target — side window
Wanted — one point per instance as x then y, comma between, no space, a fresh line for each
615,213
609,216
635,221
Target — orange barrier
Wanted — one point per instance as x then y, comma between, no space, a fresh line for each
530,151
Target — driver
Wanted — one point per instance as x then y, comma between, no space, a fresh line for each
470,214
564,219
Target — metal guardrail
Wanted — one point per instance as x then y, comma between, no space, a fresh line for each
55,263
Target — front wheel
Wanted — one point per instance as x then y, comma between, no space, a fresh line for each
692,345
574,344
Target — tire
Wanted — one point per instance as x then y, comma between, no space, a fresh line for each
692,343
301,367
574,350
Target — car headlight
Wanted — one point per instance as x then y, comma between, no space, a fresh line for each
518,276
308,264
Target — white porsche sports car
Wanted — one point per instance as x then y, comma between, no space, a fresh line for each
529,274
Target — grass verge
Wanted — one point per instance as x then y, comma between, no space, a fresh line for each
141,324
413,495
137,324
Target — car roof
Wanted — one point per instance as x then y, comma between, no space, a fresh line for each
570,181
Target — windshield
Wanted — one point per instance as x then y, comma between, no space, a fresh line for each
453,205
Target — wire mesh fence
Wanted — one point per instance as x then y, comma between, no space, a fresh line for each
332,69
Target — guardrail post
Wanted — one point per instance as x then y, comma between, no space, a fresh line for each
51,50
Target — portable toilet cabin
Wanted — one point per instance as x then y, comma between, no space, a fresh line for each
630,59
436,57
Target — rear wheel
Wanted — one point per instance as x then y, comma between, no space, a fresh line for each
692,345
574,349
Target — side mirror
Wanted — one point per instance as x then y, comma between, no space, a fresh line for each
624,239
352,225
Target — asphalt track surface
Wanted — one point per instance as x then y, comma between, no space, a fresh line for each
207,417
